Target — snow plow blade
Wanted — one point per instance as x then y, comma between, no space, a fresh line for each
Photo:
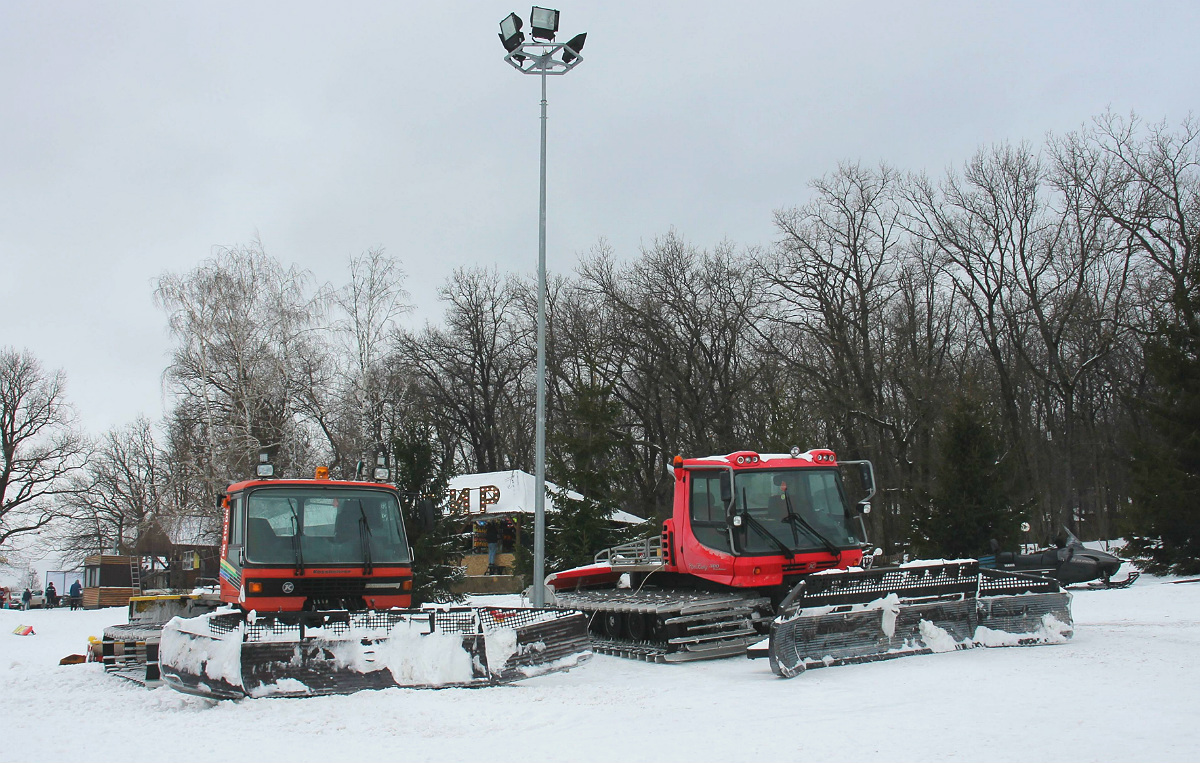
840,618
230,655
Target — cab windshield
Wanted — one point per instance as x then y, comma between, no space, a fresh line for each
790,504
324,526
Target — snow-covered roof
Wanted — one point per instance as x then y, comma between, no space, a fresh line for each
509,492
193,530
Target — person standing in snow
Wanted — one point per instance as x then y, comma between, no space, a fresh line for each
76,594
51,596
493,540
25,599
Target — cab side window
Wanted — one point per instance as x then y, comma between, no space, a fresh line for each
235,521
707,511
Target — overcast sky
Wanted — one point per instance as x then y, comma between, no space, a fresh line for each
137,136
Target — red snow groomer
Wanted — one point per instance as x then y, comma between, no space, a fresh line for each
769,545
316,580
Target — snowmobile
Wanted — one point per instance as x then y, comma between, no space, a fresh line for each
314,596
1069,562
769,547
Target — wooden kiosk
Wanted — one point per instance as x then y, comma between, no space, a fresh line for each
108,580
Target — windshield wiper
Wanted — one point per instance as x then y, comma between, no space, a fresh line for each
299,554
364,533
793,517
787,552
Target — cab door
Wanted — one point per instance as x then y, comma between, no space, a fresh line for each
233,546
705,547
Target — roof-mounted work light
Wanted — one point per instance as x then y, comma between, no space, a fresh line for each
265,467
381,468
543,23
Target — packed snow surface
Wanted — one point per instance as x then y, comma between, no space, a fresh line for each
1126,687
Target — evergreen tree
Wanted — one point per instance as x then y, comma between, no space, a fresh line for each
584,452
583,455
971,502
1164,521
421,474
576,531
586,458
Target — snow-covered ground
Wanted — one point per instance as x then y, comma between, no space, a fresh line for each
1127,687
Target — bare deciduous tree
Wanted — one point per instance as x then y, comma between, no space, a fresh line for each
473,372
120,496
242,323
39,447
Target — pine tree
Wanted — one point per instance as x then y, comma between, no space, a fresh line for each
971,504
576,530
586,458
422,474
584,451
583,455
1164,521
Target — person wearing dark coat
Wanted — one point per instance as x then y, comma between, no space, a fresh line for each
493,540
26,598
76,594
51,596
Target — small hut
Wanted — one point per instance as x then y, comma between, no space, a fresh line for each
108,580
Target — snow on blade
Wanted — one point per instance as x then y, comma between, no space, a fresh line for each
284,686
890,605
937,639
416,658
499,645
191,646
1051,631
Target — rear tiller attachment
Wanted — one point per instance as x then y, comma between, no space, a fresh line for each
839,618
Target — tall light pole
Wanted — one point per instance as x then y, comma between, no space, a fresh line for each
544,58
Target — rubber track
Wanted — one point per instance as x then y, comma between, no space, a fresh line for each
706,625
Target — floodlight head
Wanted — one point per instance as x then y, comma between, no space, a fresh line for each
510,32
543,23
574,45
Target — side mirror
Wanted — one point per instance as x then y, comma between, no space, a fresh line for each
726,489
867,477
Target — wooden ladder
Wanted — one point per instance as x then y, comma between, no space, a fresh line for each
135,574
